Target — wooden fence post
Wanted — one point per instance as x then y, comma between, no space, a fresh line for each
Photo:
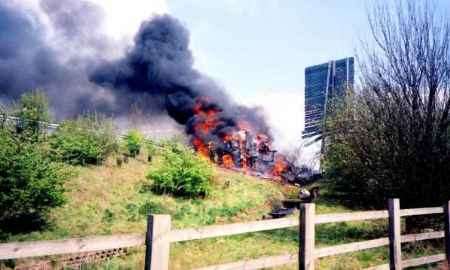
157,243
447,232
307,236
395,248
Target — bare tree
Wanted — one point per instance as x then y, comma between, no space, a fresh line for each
395,130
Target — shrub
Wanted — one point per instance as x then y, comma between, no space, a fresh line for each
151,147
134,140
32,110
30,183
182,172
86,140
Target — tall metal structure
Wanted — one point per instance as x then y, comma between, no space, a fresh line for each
322,83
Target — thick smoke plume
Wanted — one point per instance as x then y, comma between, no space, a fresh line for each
64,55
54,55
160,64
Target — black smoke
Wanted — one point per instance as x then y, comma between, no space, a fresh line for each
54,58
69,62
25,60
160,63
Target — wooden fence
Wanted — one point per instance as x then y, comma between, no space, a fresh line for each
159,236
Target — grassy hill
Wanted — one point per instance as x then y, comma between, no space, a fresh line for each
109,200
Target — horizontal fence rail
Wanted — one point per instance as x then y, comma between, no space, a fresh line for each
413,262
231,229
160,235
351,247
69,246
380,242
421,211
355,216
261,263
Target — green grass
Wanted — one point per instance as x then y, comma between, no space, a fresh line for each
111,200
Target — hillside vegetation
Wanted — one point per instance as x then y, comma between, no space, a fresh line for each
84,180
108,199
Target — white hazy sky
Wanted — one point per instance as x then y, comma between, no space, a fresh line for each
124,17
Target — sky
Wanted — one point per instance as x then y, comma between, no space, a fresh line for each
266,44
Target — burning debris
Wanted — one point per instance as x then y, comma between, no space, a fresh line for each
237,144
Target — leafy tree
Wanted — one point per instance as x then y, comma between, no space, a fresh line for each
30,183
391,138
33,113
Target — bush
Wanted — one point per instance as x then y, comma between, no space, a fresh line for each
30,183
182,172
134,140
86,140
32,111
151,147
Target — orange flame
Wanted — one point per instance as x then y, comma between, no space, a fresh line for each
279,167
228,161
209,123
200,147
208,117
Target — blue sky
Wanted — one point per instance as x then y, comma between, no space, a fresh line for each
257,45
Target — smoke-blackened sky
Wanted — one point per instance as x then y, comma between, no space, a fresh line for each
53,53
25,60
54,46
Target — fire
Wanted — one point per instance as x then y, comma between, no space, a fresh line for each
200,147
228,161
208,124
208,116
200,104
279,167
234,143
